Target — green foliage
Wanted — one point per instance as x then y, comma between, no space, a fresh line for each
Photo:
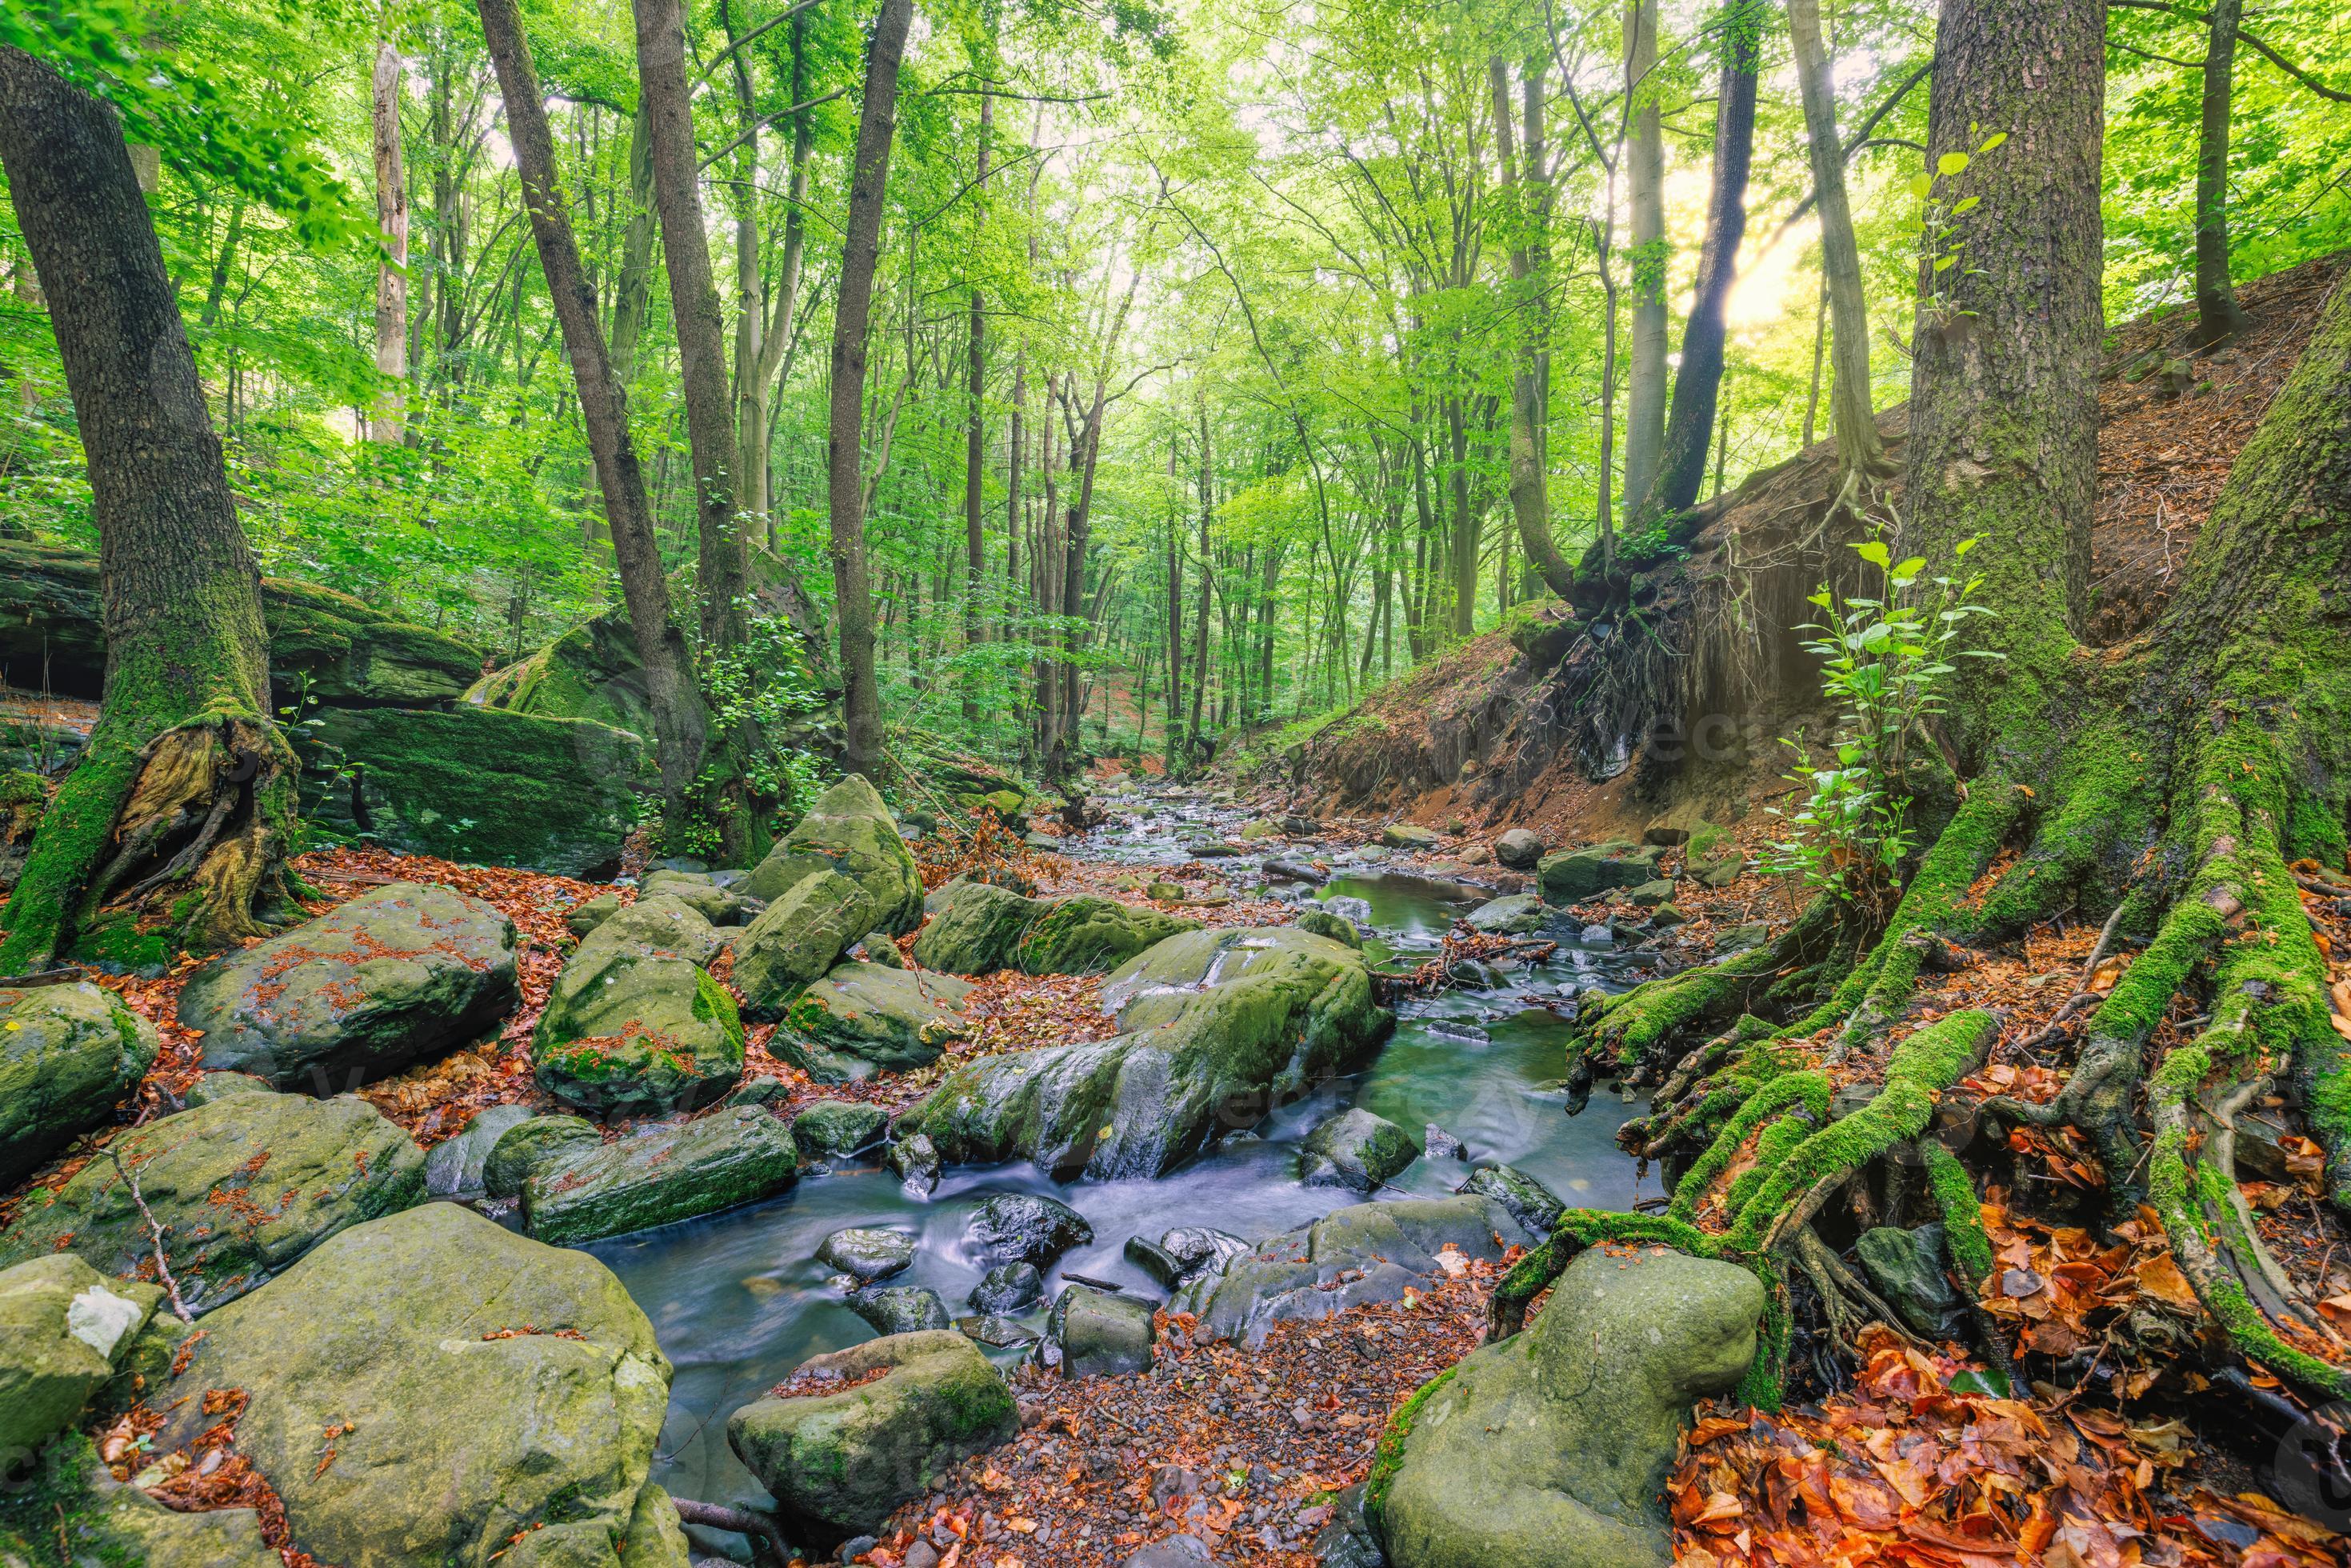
1883,662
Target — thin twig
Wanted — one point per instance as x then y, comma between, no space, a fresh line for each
163,1263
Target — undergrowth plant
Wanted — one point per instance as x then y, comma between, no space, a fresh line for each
1883,662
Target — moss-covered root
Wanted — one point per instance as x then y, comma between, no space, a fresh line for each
1578,1229
1637,1026
1966,1245
184,834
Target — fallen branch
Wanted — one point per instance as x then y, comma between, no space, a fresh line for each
163,1263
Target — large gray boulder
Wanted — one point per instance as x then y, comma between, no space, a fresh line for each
975,927
1519,848
837,1464
244,1186
1571,876
890,1019
68,1056
636,1025
797,940
397,975
1365,1252
71,1511
672,1170
63,1328
1551,1448
431,1389
1513,915
1354,1149
1216,1028
1096,1334
1024,1228
1088,935
850,831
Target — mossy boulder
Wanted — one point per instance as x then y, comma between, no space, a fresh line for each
69,1054
1651,895
473,784
1354,1149
530,1143
900,1309
1571,876
975,927
1218,1027
1553,1448
1410,836
839,1129
1534,1206
838,1464
592,672
866,1253
455,1168
798,939
852,831
431,1389
1365,1252
1325,923
590,913
63,1328
1907,1267
1519,848
719,906
1089,935
1513,915
1096,1334
636,1025
67,1509
669,1172
244,1186
891,1020
323,645
398,975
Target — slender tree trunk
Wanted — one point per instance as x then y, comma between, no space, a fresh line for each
1645,169
845,486
1174,617
1819,357
391,272
218,288
632,293
723,564
678,720
1465,523
2218,314
974,445
1208,567
1860,454
1682,467
1525,172
186,793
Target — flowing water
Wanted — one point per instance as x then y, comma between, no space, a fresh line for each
739,1299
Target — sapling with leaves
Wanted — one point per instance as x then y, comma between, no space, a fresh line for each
1884,662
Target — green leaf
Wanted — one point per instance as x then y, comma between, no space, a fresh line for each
1875,552
1943,263
1965,204
1994,140
1921,184
1951,164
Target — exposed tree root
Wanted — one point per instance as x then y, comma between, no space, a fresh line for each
178,843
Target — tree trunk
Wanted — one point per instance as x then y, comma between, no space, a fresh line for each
1525,173
633,294
2218,314
183,798
1860,454
723,561
845,481
975,447
1681,468
1645,168
1208,567
1175,618
679,725
2004,404
1465,524
391,272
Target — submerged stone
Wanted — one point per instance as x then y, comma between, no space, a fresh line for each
900,1309
1020,1227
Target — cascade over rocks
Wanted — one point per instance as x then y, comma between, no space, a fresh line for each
578,1192
636,1025
837,1464
244,1185
69,1054
1218,1026
1550,1450
461,1424
398,975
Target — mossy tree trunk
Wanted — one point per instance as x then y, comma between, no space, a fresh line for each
177,812
2163,789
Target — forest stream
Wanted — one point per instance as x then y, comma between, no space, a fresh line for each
738,1300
